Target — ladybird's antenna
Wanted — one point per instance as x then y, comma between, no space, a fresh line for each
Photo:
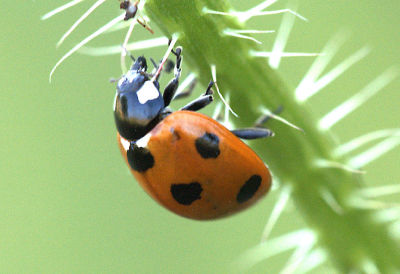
154,63
171,46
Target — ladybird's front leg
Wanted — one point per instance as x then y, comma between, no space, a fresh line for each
172,86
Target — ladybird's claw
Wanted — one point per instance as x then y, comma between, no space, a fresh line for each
209,91
178,51
178,54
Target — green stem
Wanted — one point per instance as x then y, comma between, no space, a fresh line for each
349,234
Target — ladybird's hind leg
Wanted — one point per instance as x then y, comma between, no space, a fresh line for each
172,86
252,133
204,100
257,131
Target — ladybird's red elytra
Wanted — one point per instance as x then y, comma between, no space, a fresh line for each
186,161
200,183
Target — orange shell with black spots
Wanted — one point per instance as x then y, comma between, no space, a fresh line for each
192,172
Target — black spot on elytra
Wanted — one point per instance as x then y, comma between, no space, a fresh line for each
139,158
186,194
249,188
208,145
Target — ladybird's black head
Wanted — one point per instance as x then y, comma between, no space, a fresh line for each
138,102
140,64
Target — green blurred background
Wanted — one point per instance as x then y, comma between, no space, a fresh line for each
68,203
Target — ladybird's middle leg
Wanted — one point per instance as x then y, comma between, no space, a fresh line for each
202,101
198,103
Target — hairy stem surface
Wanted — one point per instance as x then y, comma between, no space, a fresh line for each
350,234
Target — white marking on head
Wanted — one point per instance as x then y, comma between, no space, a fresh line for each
147,92
142,142
125,143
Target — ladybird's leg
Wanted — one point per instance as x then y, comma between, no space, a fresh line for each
258,131
198,103
263,119
188,91
252,133
209,91
172,86
202,101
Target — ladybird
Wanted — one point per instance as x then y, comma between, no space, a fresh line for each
188,162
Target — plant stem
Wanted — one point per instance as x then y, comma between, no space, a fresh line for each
349,234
